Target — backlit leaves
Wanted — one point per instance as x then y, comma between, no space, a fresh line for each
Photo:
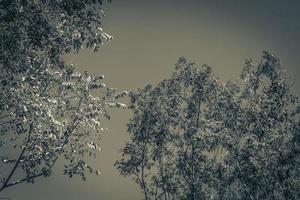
48,109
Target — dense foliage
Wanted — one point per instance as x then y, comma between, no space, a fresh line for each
48,108
194,137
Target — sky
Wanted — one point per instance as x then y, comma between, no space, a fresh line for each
149,37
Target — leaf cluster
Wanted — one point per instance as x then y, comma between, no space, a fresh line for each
195,137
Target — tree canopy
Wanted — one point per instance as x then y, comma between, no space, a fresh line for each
48,109
195,137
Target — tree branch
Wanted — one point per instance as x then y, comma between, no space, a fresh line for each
6,183
27,178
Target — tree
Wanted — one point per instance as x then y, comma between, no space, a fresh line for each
194,137
49,110
31,28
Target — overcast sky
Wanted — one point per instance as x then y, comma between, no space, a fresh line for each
149,36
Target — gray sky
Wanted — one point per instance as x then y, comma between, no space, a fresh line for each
149,36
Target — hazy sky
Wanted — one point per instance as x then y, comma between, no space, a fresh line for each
149,36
